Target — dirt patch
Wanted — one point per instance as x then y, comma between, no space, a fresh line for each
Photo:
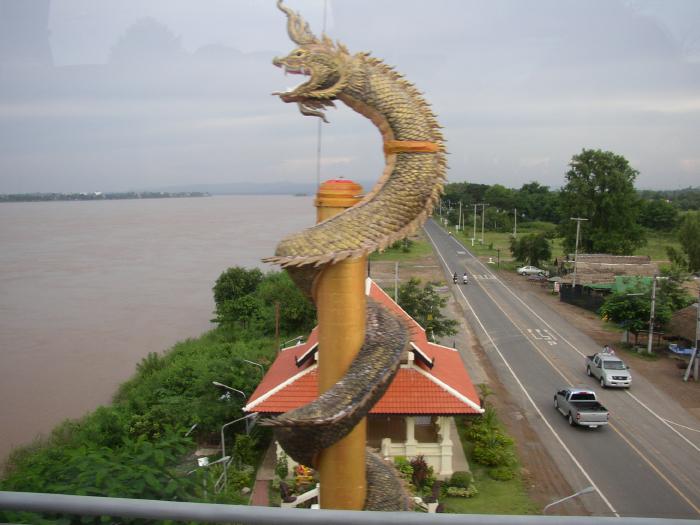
663,373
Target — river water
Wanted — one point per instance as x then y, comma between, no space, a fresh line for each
89,288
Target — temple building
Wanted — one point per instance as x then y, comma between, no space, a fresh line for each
414,417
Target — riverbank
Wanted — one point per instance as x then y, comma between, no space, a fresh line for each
87,289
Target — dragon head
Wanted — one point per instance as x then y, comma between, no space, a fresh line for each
328,66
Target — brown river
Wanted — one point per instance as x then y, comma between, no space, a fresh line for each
89,288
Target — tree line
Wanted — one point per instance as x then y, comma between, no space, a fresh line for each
599,187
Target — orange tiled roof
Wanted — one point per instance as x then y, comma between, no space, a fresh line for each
417,389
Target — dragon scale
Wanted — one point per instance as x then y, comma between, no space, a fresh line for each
397,206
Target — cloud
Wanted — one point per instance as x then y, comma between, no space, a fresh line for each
187,94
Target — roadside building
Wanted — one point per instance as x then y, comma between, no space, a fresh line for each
598,275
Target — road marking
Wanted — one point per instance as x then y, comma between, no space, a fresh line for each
556,369
682,426
527,394
657,416
542,335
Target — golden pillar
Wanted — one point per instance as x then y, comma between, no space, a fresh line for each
341,304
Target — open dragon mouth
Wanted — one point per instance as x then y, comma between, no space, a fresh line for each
295,70
307,106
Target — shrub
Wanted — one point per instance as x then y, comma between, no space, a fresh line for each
460,492
501,473
244,450
282,467
461,479
404,467
492,456
421,472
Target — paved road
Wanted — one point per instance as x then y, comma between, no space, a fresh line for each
645,463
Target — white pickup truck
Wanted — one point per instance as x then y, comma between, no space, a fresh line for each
580,406
609,369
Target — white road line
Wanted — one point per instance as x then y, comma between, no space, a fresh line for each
657,416
527,394
682,426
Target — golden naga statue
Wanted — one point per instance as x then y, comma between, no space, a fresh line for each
397,206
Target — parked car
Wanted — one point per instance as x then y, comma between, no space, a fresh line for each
581,407
609,369
530,270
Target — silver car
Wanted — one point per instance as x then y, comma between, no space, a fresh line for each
530,270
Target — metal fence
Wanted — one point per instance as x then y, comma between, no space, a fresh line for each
211,513
581,296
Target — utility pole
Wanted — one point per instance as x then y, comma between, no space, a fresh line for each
696,353
460,226
651,315
578,231
474,234
277,326
483,215
515,222
396,282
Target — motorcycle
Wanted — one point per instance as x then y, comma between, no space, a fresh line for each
454,278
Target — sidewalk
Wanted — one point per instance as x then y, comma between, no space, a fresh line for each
264,476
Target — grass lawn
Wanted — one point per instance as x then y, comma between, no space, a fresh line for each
656,245
657,242
495,241
418,248
494,497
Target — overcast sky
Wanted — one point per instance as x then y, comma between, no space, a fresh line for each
111,95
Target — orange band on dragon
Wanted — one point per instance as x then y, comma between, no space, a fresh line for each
410,146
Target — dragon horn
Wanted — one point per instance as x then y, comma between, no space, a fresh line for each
297,27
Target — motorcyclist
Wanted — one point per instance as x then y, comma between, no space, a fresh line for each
465,278
454,277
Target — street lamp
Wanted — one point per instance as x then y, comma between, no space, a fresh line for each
579,493
204,463
223,442
216,383
262,370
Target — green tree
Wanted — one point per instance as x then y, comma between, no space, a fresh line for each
247,298
245,311
629,311
500,197
670,290
658,215
536,203
297,312
600,188
531,249
235,283
632,308
424,304
689,237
